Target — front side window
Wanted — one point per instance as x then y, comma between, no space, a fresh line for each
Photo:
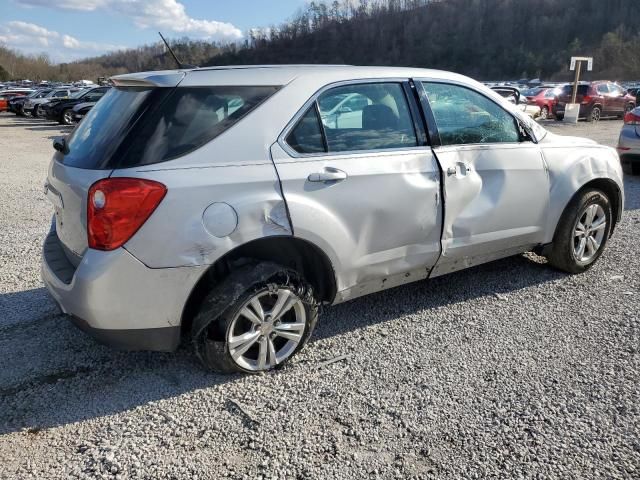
464,116
370,116
603,89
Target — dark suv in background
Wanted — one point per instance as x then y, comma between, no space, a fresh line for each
62,110
597,100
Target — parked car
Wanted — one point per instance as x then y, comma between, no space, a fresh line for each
61,110
17,103
176,219
80,110
635,92
544,98
597,100
34,106
515,96
629,142
7,95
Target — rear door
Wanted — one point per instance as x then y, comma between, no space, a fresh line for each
367,185
496,185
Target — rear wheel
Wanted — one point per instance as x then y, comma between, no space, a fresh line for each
582,233
255,321
559,117
595,115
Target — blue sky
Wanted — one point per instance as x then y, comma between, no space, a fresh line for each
71,29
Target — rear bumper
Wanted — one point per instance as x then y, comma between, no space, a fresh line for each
118,300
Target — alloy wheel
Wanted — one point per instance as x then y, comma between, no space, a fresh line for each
267,329
544,113
67,117
595,114
589,233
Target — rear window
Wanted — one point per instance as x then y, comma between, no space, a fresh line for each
132,127
568,89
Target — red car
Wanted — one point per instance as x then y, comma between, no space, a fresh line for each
597,100
7,95
543,97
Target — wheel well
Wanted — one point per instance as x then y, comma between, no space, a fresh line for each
302,256
610,188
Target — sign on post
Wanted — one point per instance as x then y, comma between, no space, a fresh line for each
572,111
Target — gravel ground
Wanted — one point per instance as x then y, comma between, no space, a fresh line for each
508,370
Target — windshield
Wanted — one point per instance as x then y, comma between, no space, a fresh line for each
144,125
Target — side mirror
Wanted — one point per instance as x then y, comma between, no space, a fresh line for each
60,144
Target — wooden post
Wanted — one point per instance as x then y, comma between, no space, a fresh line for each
575,84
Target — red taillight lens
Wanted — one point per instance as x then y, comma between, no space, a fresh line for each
118,207
586,99
631,118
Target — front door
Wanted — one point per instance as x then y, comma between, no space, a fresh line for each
367,190
496,186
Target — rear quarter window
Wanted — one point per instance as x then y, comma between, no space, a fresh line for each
132,127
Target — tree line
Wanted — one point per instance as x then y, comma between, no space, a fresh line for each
486,39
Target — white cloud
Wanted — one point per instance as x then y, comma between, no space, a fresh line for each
32,38
167,15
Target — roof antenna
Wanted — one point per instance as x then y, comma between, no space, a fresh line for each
180,64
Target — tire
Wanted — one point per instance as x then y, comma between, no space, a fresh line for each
595,115
34,112
544,113
559,117
229,311
67,117
565,251
631,168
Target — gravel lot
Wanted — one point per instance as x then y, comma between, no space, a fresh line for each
508,370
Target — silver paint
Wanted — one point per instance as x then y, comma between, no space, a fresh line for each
381,224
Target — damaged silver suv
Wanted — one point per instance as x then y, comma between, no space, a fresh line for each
224,205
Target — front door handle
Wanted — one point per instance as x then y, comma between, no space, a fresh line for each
328,175
460,168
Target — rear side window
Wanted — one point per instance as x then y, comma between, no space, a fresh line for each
140,126
358,117
372,116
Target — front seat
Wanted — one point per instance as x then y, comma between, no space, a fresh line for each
379,117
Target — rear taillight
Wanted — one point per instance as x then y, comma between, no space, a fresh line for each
631,118
586,99
118,207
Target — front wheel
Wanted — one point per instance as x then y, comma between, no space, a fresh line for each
255,321
582,233
544,113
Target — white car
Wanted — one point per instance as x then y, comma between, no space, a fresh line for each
223,205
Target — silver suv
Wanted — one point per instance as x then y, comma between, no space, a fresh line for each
224,205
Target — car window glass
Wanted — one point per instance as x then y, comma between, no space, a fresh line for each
306,137
141,126
615,89
60,94
603,88
550,93
464,116
370,116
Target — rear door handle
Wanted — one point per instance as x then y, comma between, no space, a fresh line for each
328,175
